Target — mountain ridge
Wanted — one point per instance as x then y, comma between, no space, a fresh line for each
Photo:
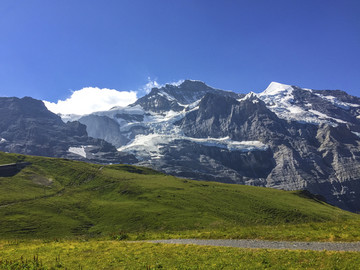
28,127
285,137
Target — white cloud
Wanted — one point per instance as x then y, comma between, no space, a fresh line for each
92,99
153,83
150,85
176,83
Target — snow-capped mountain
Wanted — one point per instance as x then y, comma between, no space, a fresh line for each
311,106
285,137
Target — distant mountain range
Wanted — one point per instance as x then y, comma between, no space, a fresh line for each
285,137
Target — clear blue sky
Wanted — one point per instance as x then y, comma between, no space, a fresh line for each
49,47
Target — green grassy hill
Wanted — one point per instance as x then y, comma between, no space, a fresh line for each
57,198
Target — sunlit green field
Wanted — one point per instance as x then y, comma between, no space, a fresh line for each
63,199
124,255
62,214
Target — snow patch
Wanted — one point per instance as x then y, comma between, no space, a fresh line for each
227,143
192,106
78,151
166,95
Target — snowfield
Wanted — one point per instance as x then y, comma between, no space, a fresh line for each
279,99
152,144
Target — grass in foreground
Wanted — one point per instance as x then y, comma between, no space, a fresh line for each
124,255
57,198
322,231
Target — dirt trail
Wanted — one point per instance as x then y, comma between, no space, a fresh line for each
317,246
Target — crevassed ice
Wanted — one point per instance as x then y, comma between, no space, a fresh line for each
152,143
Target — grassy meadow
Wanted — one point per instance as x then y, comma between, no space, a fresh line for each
61,213
124,255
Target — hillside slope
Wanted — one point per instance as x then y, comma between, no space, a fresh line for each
62,198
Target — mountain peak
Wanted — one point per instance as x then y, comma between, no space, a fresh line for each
193,83
186,85
250,95
180,94
181,84
275,88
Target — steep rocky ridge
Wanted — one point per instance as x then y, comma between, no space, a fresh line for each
174,97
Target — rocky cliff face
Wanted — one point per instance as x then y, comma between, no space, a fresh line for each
27,127
285,137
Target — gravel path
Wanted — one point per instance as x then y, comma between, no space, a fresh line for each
333,246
